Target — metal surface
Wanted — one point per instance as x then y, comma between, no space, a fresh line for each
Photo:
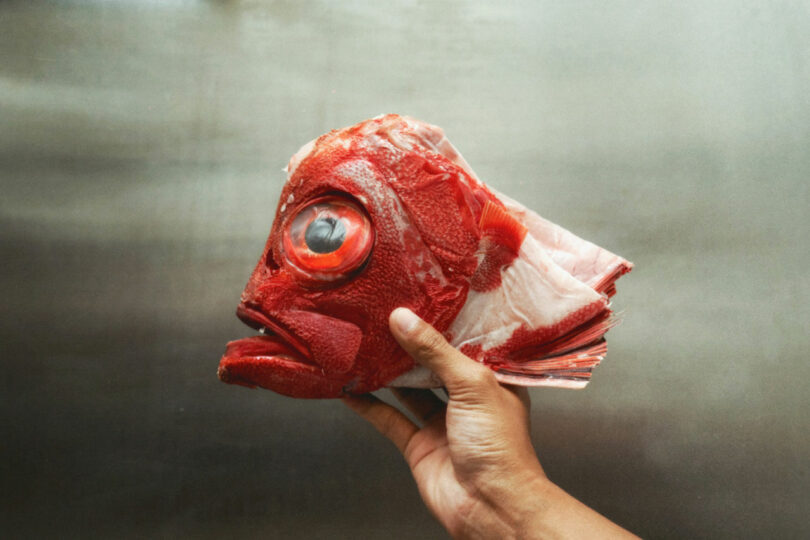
140,153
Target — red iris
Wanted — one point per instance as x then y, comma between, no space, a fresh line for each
328,238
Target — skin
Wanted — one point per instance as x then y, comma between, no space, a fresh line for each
472,457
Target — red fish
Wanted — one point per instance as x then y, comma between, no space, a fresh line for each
387,213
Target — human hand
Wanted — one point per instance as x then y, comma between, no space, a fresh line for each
473,459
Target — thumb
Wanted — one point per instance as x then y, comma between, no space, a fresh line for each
458,372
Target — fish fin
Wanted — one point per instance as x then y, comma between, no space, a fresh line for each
501,238
565,362
570,370
498,224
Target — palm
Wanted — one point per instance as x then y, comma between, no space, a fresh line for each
432,465
448,467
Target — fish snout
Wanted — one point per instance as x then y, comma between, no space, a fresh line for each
327,342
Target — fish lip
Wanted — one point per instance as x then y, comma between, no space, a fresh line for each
230,368
285,362
275,373
258,320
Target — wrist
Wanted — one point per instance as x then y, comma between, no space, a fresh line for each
530,504
542,496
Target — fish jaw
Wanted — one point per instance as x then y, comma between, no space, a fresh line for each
305,355
269,363
280,372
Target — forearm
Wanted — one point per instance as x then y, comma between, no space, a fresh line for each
556,514
534,508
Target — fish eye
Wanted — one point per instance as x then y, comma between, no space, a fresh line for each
328,238
325,234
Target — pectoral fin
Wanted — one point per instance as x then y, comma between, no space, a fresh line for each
501,237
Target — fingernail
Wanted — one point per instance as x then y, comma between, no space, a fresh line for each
404,319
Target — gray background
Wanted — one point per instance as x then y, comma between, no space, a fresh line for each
140,153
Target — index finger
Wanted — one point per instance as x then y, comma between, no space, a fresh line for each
385,418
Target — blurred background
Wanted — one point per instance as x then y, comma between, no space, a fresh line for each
141,147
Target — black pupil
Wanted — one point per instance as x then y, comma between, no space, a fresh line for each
325,235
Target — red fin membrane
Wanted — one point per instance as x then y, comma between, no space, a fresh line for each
501,237
572,370
498,224
564,362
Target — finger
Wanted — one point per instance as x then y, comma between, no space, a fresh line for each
385,418
429,348
424,404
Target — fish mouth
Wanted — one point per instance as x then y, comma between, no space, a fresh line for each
298,353
272,330
245,360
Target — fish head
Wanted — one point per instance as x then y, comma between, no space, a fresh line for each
386,213
372,217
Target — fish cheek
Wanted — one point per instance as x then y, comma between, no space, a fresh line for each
391,283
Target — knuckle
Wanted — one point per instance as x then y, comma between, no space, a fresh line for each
482,377
429,343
